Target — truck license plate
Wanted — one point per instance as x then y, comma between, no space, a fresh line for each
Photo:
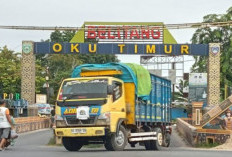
78,131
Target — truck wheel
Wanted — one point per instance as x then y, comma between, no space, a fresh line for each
167,140
157,145
147,144
115,142
107,144
71,144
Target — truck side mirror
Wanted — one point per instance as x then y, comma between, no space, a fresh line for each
110,89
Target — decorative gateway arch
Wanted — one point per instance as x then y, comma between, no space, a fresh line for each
125,39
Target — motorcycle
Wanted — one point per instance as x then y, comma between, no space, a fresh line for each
11,138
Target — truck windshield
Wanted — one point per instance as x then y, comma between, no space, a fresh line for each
84,89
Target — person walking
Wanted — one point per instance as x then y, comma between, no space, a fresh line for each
5,124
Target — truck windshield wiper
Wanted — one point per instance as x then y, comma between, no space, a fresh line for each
69,97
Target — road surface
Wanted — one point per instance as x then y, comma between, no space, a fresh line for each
34,145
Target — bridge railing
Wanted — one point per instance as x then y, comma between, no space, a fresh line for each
26,124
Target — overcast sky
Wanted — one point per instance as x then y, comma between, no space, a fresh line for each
76,12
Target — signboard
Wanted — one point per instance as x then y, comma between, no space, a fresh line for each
11,96
41,98
198,79
114,48
198,87
124,33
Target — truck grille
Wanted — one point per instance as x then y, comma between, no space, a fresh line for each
71,120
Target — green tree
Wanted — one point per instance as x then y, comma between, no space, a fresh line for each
10,73
62,36
39,77
221,35
179,95
10,76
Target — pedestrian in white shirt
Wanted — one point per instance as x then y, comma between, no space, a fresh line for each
5,124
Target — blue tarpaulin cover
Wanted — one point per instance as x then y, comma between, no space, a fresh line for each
131,73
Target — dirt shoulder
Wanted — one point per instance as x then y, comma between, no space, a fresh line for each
226,146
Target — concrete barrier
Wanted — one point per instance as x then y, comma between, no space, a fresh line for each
188,131
196,136
26,124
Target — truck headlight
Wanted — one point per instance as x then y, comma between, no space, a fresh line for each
104,119
60,123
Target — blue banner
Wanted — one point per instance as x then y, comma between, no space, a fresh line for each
72,111
116,48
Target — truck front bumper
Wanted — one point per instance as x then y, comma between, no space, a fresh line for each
80,131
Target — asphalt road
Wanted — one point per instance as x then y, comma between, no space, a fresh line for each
34,145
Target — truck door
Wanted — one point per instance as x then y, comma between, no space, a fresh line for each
117,97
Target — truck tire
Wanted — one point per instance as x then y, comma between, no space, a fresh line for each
147,144
115,142
157,145
72,144
107,145
167,140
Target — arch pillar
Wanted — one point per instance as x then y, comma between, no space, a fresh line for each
28,72
213,75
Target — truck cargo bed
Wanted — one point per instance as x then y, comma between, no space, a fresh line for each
157,107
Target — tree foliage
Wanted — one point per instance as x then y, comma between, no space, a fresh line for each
222,35
10,74
179,95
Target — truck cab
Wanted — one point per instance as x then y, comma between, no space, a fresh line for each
90,107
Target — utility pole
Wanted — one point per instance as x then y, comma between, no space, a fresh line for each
173,85
47,84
